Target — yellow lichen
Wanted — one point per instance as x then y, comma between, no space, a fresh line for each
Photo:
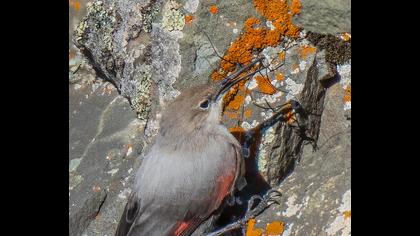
347,214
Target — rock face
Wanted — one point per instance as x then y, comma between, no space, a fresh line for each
317,194
104,146
326,16
135,56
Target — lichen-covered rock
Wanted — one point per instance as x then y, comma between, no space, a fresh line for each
166,62
316,196
114,36
151,49
173,18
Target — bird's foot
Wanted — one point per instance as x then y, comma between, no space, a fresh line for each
264,202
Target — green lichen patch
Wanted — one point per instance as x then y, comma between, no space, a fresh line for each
173,18
100,19
141,103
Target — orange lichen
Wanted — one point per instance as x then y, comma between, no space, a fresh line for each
282,55
347,214
188,19
345,36
236,129
279,76
280,14
295,7
250,231
232,114
347,94
230,96
306,50
247,113
254,38
290,117
264,85
275,228
213,9
71,55
75,4
236,103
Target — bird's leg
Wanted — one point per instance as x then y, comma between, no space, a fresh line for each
264,202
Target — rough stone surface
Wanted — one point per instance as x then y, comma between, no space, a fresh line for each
104,145
325,16
316,196
148,53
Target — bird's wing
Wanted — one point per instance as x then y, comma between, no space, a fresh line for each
177,195
225,188
129,215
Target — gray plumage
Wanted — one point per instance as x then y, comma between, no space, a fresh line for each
189,172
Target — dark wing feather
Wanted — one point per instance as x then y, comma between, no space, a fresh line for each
129,215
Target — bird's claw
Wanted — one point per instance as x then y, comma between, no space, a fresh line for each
265,201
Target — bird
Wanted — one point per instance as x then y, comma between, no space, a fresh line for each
193,168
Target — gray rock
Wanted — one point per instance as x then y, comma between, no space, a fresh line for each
325,16
87,211
316,195
326,70
166,62
145,50
199,58
104,144
114,36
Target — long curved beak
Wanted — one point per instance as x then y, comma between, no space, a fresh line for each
233,79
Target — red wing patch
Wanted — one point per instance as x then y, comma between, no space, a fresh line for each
225,184
181,227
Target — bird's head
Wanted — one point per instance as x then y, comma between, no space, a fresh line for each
198,108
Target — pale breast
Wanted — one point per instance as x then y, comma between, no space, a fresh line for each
192,179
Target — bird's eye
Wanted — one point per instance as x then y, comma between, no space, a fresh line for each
204,104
